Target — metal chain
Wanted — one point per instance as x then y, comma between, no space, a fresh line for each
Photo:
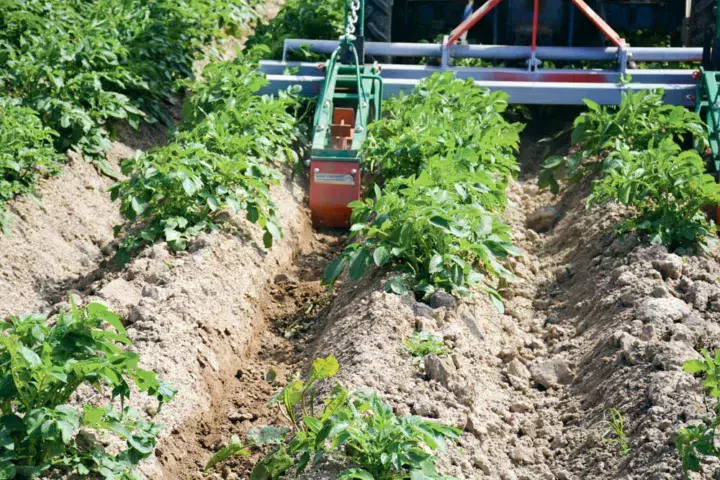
354,9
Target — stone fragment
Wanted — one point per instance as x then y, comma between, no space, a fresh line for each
542,219
662,310
552,373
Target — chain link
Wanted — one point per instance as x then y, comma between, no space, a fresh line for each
352,21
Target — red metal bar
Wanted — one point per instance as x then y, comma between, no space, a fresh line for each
536,9
471,21
606,29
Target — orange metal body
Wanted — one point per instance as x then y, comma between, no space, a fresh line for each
332,186
335,183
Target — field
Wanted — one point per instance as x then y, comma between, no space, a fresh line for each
509,304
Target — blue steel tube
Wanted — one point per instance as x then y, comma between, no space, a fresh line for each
506,52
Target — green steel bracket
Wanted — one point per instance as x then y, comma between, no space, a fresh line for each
352,85
708,107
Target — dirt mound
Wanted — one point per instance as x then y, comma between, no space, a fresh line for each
591,323
64,235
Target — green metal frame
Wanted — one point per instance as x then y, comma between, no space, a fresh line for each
356,85
708,105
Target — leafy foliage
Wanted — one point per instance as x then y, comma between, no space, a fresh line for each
667,189
300,19
641,119
355,426
43,364
436,219
695,441
444,117
223,160
80,64
26,153
422,344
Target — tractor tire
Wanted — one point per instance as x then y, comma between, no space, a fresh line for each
702,22
378,24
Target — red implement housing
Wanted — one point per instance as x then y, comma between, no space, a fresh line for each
335,183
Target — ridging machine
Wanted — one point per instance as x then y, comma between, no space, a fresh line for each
351,85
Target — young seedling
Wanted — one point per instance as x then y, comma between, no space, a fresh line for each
422,344
615,433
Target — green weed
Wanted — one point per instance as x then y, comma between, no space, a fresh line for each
615,434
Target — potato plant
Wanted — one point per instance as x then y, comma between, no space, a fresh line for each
699,440
225,158
641,119
300,19
356,427
42,365
444,167
666,188
26,153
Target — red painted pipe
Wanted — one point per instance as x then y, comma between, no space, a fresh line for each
606,29
471,21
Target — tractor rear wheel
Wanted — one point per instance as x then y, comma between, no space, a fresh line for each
702,22
378,24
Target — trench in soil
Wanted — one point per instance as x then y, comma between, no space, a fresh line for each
295,309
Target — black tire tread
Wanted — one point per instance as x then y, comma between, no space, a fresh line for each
378,24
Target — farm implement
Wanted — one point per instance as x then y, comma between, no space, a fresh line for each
351,85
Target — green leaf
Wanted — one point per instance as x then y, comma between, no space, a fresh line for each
694,366
359,264
234,448
333,270
356,473
381,255
32,358
324,367
267,435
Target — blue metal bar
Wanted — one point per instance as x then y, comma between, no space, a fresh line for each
507,52
529,88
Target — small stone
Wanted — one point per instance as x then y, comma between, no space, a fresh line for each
425,408
442,299
542,219
151,291
700,293
552,373
517,369
670,266
662,310
282,278
438,369
422,310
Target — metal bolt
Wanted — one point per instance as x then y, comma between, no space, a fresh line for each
317,170
320,128
353,171
364,104
326,104
358,128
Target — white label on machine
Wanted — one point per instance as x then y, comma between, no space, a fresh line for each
335,178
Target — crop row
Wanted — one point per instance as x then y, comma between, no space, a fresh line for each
443,156
70,67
